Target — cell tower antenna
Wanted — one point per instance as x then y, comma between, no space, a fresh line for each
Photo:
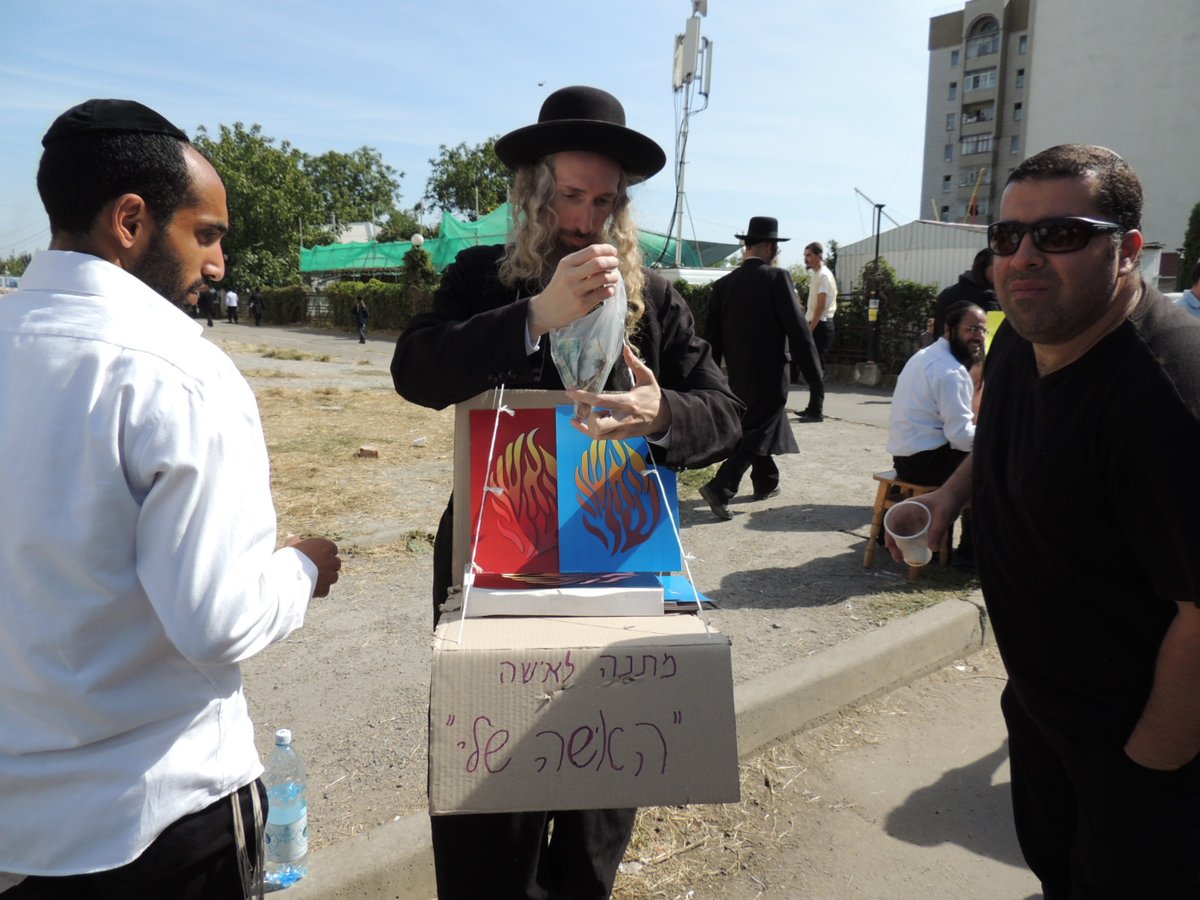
691,73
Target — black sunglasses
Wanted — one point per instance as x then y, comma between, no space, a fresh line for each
1062,234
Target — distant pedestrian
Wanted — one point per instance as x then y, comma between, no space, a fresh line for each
231,306
256,306
822,299
360,319
753,316
208,299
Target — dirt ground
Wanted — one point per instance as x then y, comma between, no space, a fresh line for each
352,684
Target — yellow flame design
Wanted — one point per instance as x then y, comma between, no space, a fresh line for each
526,510
621,506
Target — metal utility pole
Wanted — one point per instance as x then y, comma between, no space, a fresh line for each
873,297
692,70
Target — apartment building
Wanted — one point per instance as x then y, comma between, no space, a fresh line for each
1008,78
979,72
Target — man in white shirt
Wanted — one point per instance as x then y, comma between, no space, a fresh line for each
139,569
822,304
932,425
231,306
1190,299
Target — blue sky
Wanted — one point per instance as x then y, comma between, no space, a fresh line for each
808,102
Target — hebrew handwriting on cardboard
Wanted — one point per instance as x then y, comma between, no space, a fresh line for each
626,737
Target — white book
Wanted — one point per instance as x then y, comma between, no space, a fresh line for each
609,594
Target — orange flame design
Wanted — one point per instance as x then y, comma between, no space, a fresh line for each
621,506
526,510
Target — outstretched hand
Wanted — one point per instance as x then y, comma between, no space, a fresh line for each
324,555
582,281
634,413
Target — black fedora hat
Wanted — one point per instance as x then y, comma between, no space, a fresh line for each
583,118
762,228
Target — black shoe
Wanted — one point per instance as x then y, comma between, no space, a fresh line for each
767,495
807,415
715,503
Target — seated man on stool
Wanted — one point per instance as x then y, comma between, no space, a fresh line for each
932,423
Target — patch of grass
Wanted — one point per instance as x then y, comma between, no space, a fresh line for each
417,541
297,355
910,597
268,373
319,483
692,479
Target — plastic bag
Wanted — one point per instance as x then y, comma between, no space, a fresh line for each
585,351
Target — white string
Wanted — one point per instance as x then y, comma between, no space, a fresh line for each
685,556
488,490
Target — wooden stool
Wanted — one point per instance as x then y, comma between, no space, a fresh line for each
891,491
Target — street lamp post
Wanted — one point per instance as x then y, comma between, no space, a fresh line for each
873,297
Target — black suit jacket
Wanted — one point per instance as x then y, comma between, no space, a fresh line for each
753,316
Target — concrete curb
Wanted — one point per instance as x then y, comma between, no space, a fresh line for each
395,861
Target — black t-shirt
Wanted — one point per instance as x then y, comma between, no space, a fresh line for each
1086,496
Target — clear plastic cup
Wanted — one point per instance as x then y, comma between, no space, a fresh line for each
908,523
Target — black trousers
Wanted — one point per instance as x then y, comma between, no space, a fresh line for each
823,338
929,467
195,858
567,855
1092,823
764,474
933,467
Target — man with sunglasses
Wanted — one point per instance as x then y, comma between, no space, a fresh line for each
1084,505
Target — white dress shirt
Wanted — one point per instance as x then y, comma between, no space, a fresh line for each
138,568
931,405
822,282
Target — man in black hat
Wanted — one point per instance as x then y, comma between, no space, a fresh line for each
143,568
571,239
753,317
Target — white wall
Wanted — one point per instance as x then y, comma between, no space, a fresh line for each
927,252
1123,75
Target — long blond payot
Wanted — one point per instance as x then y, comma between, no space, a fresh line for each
530,255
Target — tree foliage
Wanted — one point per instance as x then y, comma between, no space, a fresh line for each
1190,251
402,224
354,187
15,264
273,206
468,182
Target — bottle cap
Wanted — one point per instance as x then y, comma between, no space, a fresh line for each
283,737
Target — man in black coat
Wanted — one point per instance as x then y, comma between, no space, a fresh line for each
973,286
753,316
572,239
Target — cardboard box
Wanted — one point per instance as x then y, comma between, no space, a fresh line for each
580,713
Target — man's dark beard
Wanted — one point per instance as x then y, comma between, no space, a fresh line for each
964,352
161,270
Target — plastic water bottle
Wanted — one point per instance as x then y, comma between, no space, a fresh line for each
287,815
